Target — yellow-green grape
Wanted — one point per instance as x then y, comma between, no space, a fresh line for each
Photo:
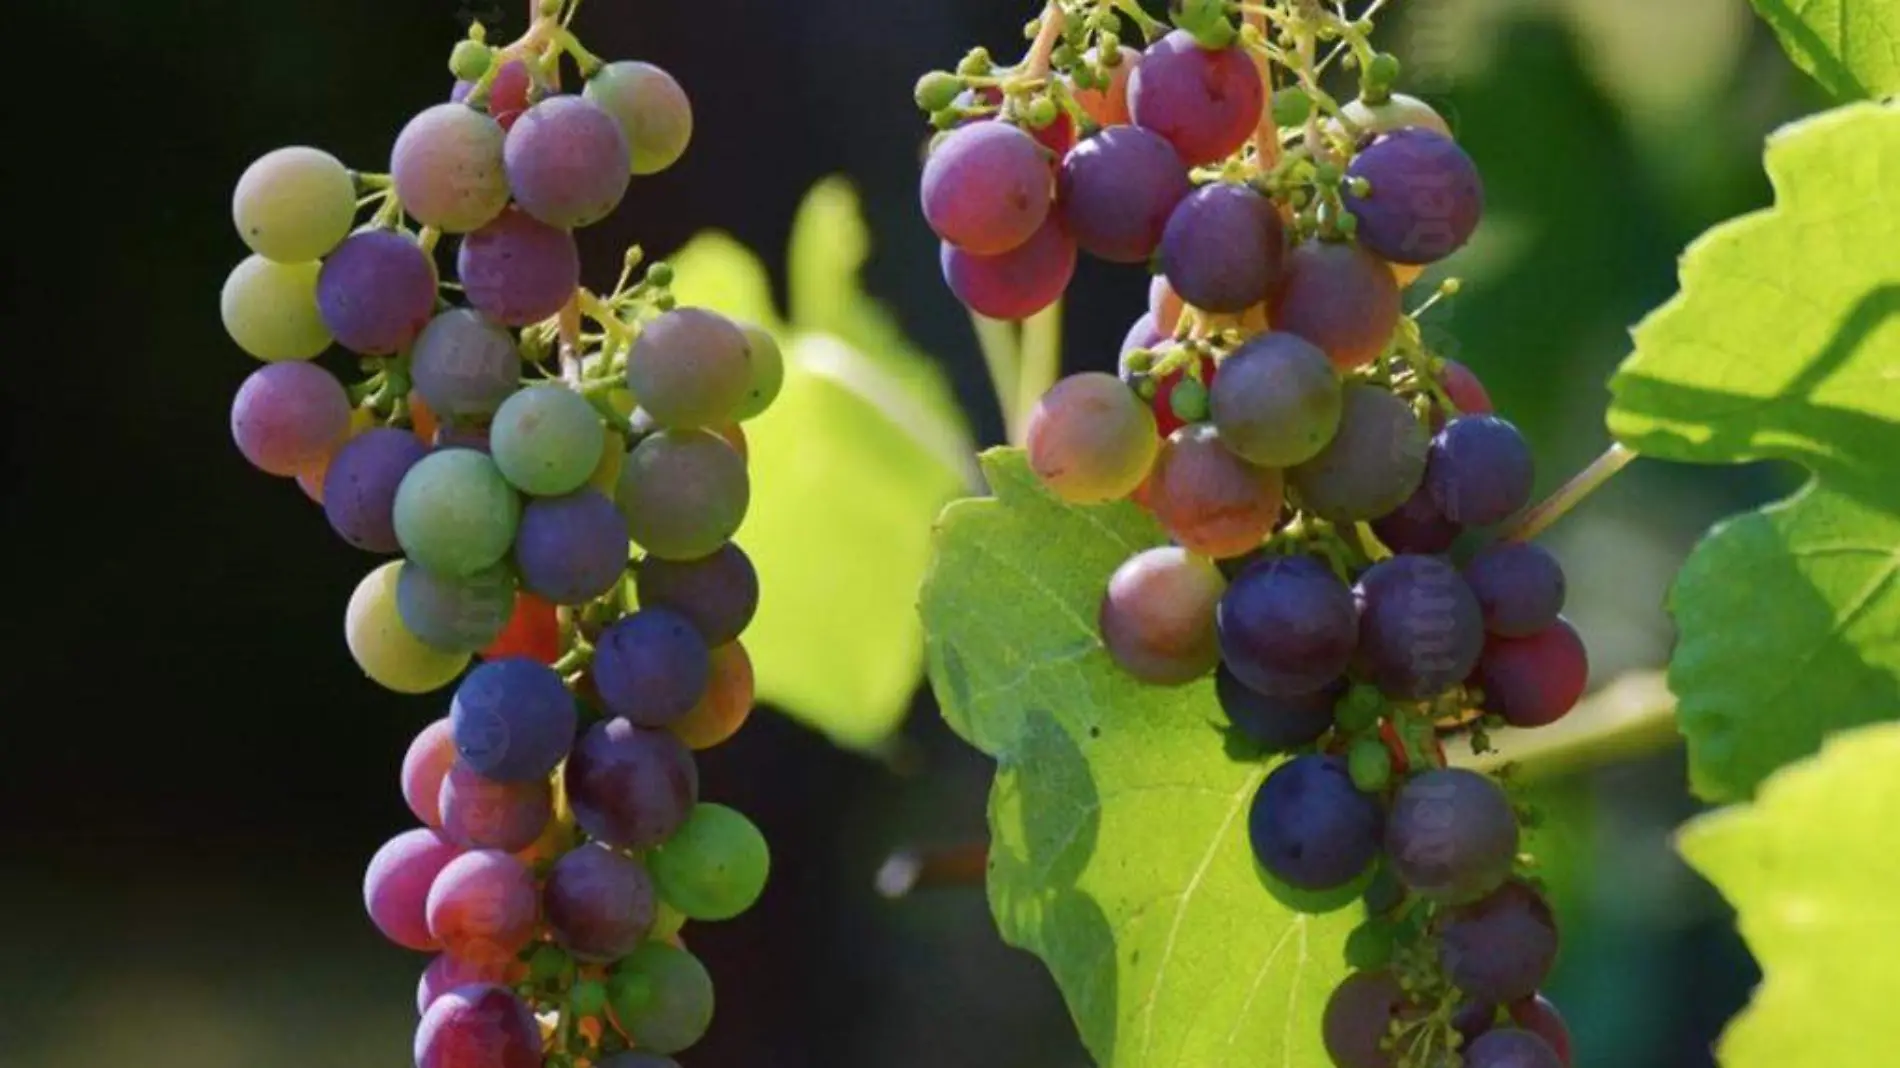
1091,440
663,995
652,110
294,204
714,867
270,309
768,371
384,648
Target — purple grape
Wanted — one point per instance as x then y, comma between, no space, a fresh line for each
1287,626
1277,724
447,168
514,720
1374,462
1016,284
1509,1047
1277,401
630,787
1117,190
1420,628
518,270
1339,297
1359,1015
1538,1016
1206,102
1481,472
359,488
464,366
1425,199
480,813
651,667
986,188
683,493
1452,837
1157,618
484,905
455,615
571,549
718,594
1519,586
1535,681
287,416
599,903
448,972
1224,248
1311,828
478,1027
1502,947
567,162
1417,526
396,886
1144,334
376,292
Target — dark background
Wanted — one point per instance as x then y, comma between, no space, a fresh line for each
196,772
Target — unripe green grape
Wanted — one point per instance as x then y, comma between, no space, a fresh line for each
668,921
714,867
1188,400
1370,764
1360,709
653,112
938,90
1383,71
662,995
470,59
1091,440
768,371
1041,112
270,309
1291,107
546,440
455,513
547,963
976,63
683,493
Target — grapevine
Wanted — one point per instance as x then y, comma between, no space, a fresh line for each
510,433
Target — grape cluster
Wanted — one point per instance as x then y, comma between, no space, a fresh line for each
515,438
1339,498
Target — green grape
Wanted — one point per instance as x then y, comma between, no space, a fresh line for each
1291,107
470,60
1360,709
1369,946
294,204
714,867
683,493
1370,764
546,440
651,108
1207,21
588,998
668,921
270,309
768,371
387,652
662,996
455,513
691,369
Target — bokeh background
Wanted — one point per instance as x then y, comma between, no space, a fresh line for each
195,773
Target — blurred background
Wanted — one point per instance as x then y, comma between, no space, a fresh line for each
198,773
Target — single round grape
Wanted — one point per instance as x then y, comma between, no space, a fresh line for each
1157,618
714,867
482,813
287,416
1502,947
1466,391
571,549
396,886
1417,526
1117,190
1510,1047
447,169
663,995
1224,248
1481,470
464,366
270,309
1211,501
376,292
1340,297
1108,106
1425,198
1374,462
514,720
1452,835
1277,724
767,364
1395,112
478,1027
484,903
1519,585
630,787
691,369
533,631
1017,284
683,493
1277,401
448,972
1541,1018
546,439
294,204
387,651
1287,626
567,162
651,667
360,486
1206,102
1535,681
986,188
1311,828
1359,1015
727,704
598,903
457,615
424,767
654,114
718,594
1420,627
455,513
1090,439
518,270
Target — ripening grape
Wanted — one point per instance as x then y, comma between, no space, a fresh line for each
1117,190
1277,724
424,767
691,369
714,867
376,292
663,995
484,902
1420,627
1374,462
986,188
387,651
287,416
1206,102
767,364
651,667
1425,199
447,169
478,1027
598,903
628,786
1501,948
546,439
1340,297
1287,626
1224,248
464,366
1017,284
1311,828
270,309
1481,470
508,93
1534,681
1157,618
718,594
654,114
1359,1015
1520,587
514,720
396,886
455,513
1395,112
1417,526
1109,106
1538,1016
457,615
294,204
1090,439
360,486
727,704
449,972
1467,393
1277,401
533,631
683,493
518,270
566,160
1452,835
571,549
1211,501
1510,1047
482,813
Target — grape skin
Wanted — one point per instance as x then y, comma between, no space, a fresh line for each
1452,836
1339,297
455,513
651,667
1535,681
478,1027
448,972
376,292
1277,401
1311,828
1211,501
1420,627
1519,586
447,168
1425,200
1287,626
662,994
384,648
518,270
691,369
718,594
1205,102
1166,304
456,615
1013,285
566,160
654,113
1501,948
361,483
270,310
1465,390
1509,1047
484,903
1276,724
294,204
482,813
714,867
630,787
571,549
727,704
286,416
1538,1016
546,439
396,886
424,767
1224,248
1358,1016
514,720
1481,471
767,378
1157,618
683,493
599,903
464,366
1374,462
1417,526
986,188
1117,191
1090,440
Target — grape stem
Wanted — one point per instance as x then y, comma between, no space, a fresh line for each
1036,62
1266,137
1572,493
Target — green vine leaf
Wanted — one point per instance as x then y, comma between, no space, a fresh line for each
1815,904
1118,822
1785,344
1852,47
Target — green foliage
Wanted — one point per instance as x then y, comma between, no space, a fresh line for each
836,643
1118,821
1783,344
1815,902
1852,47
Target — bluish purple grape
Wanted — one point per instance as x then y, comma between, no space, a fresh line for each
1425,200
376,291
1519,586
1277,724
1117,190
1339,297
1510,1047
1287,626
1311,828
464,366
1277,401
1420,628
599,903
718,594
1417,526
986,188
567,162
1374,462
359,488
1537,680
482,813
1481,471
1017,284
518,270
455,614
1500,948
572,549
1358,1017
286,416
514,720
478,1027
652,667
1452,837
1206,102
628,786
1224,248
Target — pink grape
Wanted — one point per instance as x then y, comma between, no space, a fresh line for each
986,188
518,270
449,972
1340,297
483,904
1118,190
1212,501
478,1027
396,886
424,767
1206,102
1015,284
288,415
376,292
481,813
1535,681
447,168
1109,106
1090,439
